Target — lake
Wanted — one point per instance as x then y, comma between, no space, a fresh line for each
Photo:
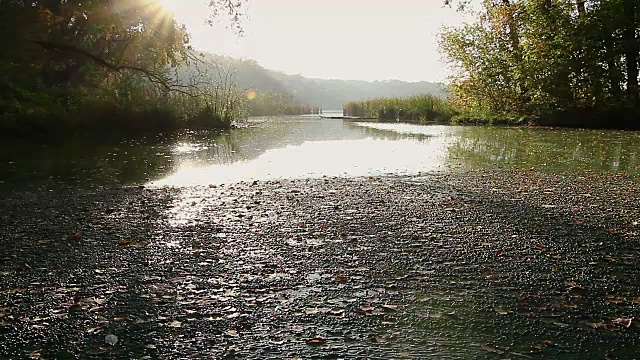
304,146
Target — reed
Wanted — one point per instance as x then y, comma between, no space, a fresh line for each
418,108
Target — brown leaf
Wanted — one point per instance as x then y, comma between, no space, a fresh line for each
316,341
365,309
624,322
75,307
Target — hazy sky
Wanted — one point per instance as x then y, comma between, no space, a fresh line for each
340,39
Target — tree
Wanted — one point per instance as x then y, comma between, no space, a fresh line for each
560,55
63,56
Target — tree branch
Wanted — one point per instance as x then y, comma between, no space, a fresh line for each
152,76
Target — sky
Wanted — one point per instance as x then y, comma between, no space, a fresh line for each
330,39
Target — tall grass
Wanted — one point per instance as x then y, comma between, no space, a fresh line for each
419,108
270,103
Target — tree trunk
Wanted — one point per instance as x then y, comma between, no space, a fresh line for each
614,74
514,36
631,48
581,8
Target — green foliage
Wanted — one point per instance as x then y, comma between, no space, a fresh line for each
419,108
107,65
536,59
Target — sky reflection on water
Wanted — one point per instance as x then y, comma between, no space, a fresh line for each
361,157
305,147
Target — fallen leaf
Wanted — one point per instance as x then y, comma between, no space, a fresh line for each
390,307
491,349
111,339
75,307
382,339
624,322
503,311
316,341
365,309
95,330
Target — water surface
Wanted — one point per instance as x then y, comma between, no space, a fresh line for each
299,147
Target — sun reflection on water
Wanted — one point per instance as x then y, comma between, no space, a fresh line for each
362,157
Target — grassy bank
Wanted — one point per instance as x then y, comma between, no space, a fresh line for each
622,118
266,103
426,108
419,109
155,114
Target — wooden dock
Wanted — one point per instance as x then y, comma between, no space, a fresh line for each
346,117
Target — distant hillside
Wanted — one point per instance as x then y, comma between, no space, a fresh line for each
330,94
